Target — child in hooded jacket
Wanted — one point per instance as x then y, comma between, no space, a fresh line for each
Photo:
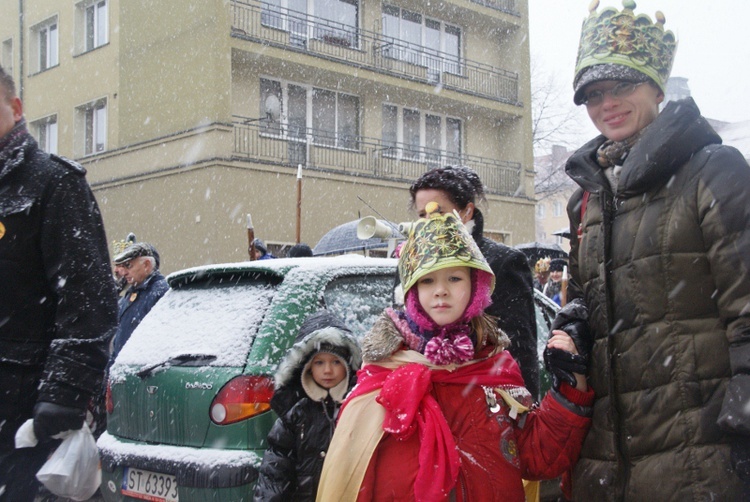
310,385
440,411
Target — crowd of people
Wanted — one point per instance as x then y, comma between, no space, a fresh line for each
649,353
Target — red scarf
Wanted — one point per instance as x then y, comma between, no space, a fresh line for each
410,407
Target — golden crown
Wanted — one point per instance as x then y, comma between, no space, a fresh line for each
624,38
120,246
437,242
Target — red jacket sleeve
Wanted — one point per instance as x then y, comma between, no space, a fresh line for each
551,437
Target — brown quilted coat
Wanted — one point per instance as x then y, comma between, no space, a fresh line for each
664,268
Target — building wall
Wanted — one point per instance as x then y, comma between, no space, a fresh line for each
180,168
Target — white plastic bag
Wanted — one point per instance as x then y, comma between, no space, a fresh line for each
73,470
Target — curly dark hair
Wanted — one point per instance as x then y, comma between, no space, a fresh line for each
460,183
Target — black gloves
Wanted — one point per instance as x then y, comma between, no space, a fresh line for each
561,365
573,319
51,419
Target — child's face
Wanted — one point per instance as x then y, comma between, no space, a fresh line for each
556,275
445,294
327,370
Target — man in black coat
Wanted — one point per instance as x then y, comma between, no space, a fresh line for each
58,305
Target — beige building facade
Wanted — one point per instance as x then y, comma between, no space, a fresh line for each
189,115
553,190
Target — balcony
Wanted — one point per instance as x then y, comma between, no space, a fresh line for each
507,6
359,156
290,30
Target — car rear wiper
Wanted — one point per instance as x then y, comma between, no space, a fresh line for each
181,360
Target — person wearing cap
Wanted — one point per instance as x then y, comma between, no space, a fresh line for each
146,285
310,384
58,306
300,250
261,251
554,285
660,274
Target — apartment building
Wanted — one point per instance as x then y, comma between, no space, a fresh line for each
553,190
189,115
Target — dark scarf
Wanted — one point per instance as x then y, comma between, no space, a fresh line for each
12,147
613,153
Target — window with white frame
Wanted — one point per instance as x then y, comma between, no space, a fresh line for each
6,58
422,40
45,46
45,131
557,208
420,135
91,121
331,118
540,210
92,25
333,21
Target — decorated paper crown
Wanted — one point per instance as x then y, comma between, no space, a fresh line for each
438,242
542,265
121,245
622,38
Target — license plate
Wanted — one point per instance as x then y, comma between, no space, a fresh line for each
147,485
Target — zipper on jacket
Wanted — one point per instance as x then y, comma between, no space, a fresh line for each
609,203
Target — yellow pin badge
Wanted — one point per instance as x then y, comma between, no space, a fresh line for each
2,230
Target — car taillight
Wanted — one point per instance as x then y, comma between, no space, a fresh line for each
110,405
241,398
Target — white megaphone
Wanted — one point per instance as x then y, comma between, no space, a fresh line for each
369,227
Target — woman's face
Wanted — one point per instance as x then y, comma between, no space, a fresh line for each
427,195
619,118
444,294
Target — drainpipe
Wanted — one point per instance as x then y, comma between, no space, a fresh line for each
20,50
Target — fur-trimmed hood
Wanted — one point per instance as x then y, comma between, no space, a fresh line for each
322,331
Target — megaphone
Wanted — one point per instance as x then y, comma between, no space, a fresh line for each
369,227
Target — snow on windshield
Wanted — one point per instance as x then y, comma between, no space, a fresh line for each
218,321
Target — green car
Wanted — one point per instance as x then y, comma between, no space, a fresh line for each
188,396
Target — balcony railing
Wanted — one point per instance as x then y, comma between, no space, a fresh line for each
276,26
360,156
507,6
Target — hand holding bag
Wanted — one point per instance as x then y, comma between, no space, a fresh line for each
73,471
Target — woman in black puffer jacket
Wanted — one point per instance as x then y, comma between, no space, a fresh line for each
311,383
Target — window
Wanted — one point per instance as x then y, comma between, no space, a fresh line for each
540,210
45,44
6,58
557,208
92,121
92,25
422,136
422,41
333,121
45,131
333,21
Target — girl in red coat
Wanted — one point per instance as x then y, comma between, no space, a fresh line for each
440,410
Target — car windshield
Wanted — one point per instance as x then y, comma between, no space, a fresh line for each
219,321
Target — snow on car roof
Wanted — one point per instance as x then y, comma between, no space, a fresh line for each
220,322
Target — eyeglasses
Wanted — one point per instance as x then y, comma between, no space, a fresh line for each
128,264
621,90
